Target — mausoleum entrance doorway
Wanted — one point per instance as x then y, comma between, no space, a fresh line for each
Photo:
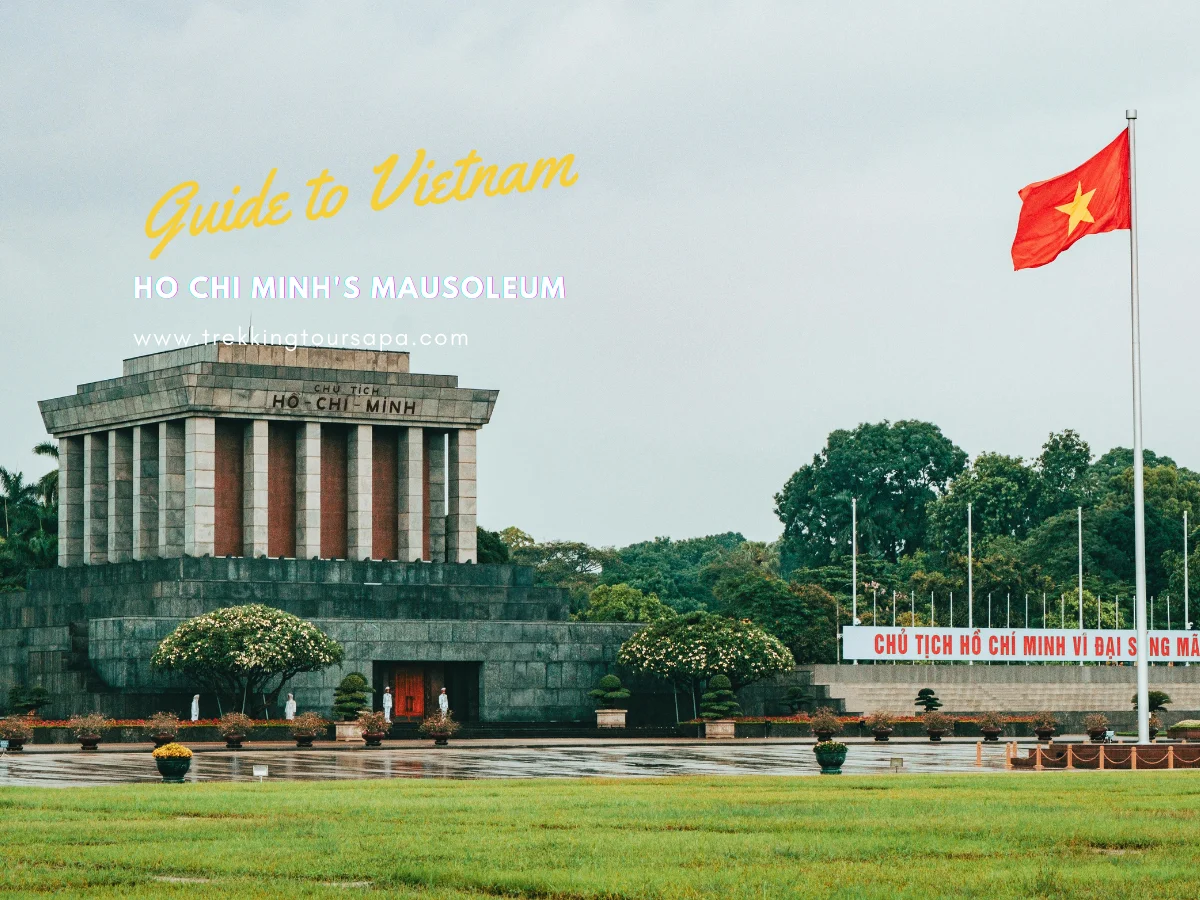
416,686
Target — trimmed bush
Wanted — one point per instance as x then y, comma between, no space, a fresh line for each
719,701
350,696
609,692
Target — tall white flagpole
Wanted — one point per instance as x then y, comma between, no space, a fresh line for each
1139,486
854,563
970,580
1187,621
1080,532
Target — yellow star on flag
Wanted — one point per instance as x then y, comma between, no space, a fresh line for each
1077,209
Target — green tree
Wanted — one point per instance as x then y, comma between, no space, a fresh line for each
719,701
622,603
802,616
516,539
699,645
1064,467
608,692
895,471
245,654
490,547
572,565
674,570
1003,493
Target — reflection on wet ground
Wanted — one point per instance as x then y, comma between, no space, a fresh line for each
464,761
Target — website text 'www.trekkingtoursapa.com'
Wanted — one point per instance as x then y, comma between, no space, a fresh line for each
369,340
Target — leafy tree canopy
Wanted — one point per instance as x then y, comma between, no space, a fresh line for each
622,603
246,654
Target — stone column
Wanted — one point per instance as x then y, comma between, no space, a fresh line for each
172,489
120,495
95,498
460,514
200,485
410,504
70,501
435,493
308,490
358,492
254,490
145,491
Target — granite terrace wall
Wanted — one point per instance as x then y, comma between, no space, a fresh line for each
981,688
45,631
530,672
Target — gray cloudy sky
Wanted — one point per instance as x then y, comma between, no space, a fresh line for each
789,218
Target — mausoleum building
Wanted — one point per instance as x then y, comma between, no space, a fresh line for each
334,484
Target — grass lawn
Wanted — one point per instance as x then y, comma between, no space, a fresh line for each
1082,834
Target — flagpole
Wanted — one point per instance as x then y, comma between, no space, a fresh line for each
970,581
854,564
1139,493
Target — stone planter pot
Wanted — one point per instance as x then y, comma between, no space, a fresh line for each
1043,734
830,761
719,729
161,740
173,768
823,736
991,735
881,734
374,738
304,741
1097,736
1153,734
610,718
935,734
440,739
16,745
348,732
234,741
88,742
1184,734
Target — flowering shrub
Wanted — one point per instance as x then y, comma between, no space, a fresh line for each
246,652
825,720
879,720
172,751
233,724
1044,720
16,728
163,723
936,721
990,720
829,747
307,724
700,645
1095,722
89,725
373,722
438,724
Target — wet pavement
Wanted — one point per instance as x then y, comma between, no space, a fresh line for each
556,760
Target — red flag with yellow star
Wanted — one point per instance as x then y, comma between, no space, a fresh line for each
1089,200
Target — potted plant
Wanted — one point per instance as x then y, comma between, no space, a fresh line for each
1185,730
830,756
374,727
990,726
440,726
350,697
305,728
718,706
162,727
825,724
88,729
1158,701
609,694
1096,725
880,724
173,761
16,730
937,724
1155,726
234,726
1044,724
927,700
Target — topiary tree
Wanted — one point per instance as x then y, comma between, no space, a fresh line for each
609,692
350,696
719,701
245,654
699,645
928,700
1158,700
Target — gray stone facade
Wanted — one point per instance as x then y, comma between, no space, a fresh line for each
87,633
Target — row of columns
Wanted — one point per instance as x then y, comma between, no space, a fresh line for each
150,491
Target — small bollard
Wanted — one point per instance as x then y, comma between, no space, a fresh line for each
897,763
260,772
979,753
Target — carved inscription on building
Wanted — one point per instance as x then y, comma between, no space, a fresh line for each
355,399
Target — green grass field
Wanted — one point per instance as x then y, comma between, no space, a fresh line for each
1023,835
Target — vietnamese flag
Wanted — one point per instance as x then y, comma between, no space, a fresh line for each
1089,200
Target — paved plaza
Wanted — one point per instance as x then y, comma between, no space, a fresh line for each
549,760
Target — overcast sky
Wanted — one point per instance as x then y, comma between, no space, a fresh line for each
789,218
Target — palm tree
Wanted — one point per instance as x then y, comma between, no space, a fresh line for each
47,485
16,494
